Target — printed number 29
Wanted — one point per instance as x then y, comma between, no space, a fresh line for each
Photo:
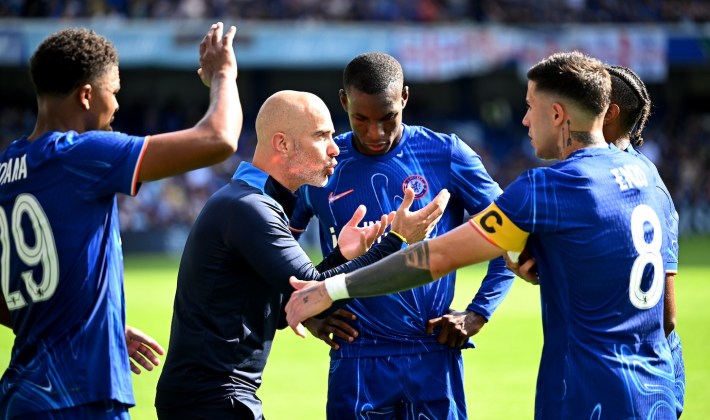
43,252
649,253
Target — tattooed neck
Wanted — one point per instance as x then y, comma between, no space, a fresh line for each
584,137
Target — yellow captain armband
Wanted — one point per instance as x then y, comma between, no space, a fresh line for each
401,238
495,226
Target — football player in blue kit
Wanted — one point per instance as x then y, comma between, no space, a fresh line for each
412,339
60,249
624,122
633,107
593,223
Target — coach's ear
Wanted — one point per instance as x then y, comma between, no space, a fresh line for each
279,143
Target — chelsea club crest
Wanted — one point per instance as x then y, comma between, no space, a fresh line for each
417,183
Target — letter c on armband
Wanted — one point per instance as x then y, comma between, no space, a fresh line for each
485,223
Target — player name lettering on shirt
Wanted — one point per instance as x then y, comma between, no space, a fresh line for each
629,176
13,170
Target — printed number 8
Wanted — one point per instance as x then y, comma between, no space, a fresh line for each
649,253
43,252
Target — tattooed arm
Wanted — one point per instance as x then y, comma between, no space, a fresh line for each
413,266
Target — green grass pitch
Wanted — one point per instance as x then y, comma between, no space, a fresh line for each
500,372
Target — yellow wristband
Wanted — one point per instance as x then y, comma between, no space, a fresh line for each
399,236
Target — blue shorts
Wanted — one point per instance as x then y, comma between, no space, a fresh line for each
108,410
678,370
416,386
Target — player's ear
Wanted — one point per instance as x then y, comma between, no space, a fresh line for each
405,95
343,99
611,114
558,113
83,94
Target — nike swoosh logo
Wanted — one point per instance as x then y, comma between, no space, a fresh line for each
332,198
400,154
47,388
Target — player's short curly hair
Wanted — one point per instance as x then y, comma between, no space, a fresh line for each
70,58
629,92
574,76
373,73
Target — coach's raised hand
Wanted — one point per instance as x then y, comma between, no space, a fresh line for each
354,241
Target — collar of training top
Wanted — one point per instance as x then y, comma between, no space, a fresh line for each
262,181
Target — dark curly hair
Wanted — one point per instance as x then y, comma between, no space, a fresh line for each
373,73
629,92
70,58
574,76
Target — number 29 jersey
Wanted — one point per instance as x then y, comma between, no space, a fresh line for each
62,269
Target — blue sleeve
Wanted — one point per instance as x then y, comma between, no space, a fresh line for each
472,183
101,163
531,202
302,213
494,288
671,218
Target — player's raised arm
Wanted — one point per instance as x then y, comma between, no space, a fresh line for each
214,138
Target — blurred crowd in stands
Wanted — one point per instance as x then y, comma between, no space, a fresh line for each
484,11
678,142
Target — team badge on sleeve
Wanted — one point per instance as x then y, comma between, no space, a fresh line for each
418,184
498,229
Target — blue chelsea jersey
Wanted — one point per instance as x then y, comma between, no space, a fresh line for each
62,269
596,229
427,162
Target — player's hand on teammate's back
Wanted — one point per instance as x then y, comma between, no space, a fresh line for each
335,325
416,226
456,327
142,349
525,266
217,55
354,241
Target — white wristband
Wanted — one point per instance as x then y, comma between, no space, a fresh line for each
336,288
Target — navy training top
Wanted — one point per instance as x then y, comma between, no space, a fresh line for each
232,289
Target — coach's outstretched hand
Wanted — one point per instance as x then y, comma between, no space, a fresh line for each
142,349
354,241
217,57
417,225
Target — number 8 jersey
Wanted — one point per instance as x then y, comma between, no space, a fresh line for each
594,226
61,269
